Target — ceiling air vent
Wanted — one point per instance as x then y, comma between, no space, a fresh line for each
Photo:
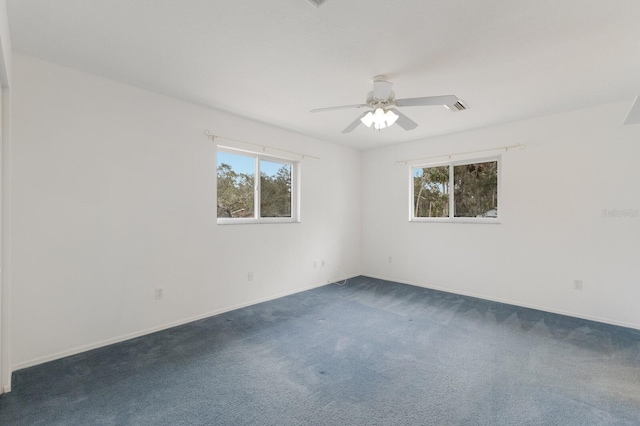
458,106
317,3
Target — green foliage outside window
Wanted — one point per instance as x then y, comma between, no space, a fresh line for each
275,193
237,194
475,190
431,192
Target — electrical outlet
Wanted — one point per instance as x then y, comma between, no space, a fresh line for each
250,276
159,293
390,259
322,262
577,284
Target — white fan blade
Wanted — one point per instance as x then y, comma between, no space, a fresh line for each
382,89
634,113
355,123
427,101
404,121
339,107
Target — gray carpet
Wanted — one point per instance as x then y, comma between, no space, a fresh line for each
370,352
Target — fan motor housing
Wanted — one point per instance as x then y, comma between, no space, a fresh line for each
372,102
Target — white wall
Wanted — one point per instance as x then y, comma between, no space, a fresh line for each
114,195
553,193
5,145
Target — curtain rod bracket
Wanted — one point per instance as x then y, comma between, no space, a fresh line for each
210,135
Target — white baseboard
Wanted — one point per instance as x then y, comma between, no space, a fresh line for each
129,336
509,302
122,338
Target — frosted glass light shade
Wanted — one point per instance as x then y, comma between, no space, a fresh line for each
391,118
367,120
378,115
380,125
380,118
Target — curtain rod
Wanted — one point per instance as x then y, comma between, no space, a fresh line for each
264,147
506,148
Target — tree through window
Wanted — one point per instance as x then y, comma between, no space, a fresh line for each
241,196
457,190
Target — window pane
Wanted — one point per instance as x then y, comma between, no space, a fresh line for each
476,190
275,189
431,191
236,176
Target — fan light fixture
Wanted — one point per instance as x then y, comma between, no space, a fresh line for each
382,104
379,119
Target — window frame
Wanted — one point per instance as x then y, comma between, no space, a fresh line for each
295,188
451,218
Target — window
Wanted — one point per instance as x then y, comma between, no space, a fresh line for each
242,198
461,191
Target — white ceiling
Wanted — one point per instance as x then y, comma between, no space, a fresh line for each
275,60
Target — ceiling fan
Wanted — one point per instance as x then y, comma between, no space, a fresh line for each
383,112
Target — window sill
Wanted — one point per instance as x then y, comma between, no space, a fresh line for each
251,221
484,220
